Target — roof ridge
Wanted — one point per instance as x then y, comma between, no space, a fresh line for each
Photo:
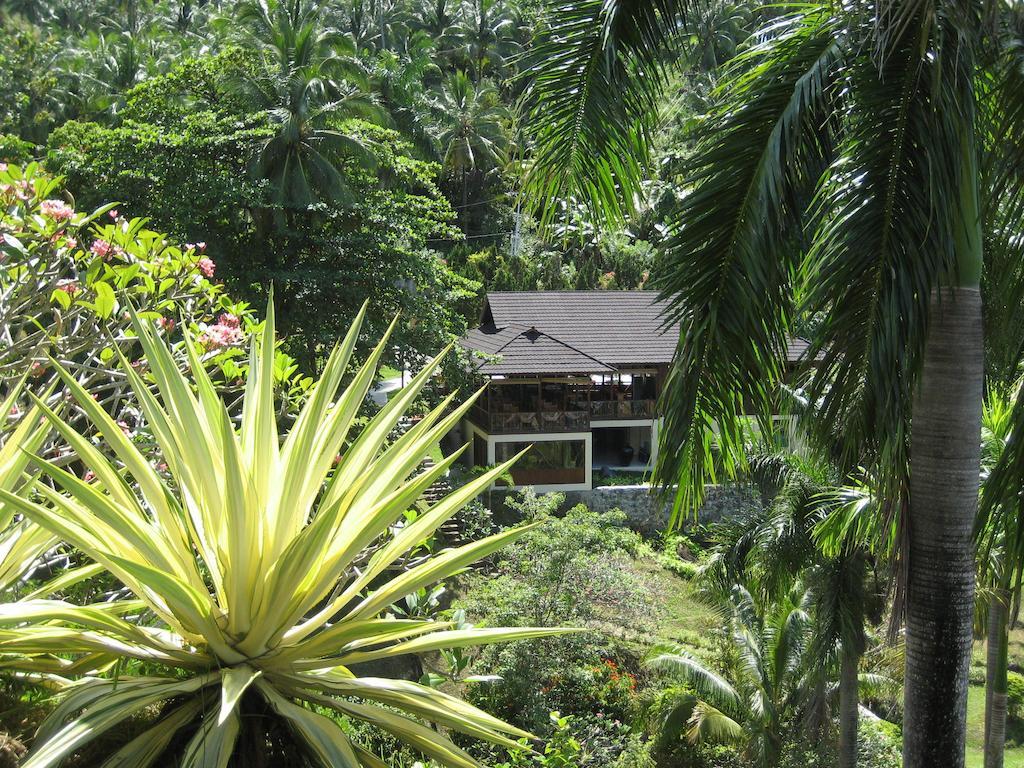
504,327
602,291
567,345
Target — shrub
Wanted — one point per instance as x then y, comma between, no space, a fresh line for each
264,565
574,571
1015,695
579,742
14,150
879,744
636,754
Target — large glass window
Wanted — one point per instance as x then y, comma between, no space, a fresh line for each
548,462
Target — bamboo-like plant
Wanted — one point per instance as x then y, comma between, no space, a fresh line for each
265,563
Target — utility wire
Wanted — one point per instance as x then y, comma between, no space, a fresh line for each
466,237
482,202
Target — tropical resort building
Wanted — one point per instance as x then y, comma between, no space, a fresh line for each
575,374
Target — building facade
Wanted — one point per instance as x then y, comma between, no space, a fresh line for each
574,374
578,376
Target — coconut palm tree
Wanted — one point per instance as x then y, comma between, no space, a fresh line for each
308,83
797,538
486,36
437,18
848,173
752,704
470,122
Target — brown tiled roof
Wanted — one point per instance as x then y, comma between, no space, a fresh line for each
576,332
615,327
522,350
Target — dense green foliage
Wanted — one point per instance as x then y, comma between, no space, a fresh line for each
342,152
190,158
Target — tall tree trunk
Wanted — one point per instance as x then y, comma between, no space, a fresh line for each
849,704
945,458
995,682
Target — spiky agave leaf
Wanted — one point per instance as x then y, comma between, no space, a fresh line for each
22,542
247,560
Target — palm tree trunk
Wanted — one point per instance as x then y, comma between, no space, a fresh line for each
945,459
995,683
849,704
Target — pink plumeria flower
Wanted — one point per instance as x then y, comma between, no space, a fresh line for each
219,335
57,210
201,246
206,266
89,476
101,248
112,214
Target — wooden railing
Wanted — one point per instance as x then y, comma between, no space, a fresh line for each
621,409
528,422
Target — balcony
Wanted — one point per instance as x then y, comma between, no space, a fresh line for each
526,422
511,422
604,410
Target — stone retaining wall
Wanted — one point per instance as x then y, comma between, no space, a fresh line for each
644,511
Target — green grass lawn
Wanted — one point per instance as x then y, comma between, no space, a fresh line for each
387,372
976,733
686,620
976,705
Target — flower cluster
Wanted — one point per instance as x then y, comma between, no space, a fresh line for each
206,266
20,190
101,248
226,332
57,210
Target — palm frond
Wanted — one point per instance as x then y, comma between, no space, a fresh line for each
595,78
708,724
678,662
884,240
727,264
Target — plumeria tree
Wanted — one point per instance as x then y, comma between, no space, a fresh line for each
67,278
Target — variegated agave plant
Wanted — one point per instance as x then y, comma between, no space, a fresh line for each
21,541
247,560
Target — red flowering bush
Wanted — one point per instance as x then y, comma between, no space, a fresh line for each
614,688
